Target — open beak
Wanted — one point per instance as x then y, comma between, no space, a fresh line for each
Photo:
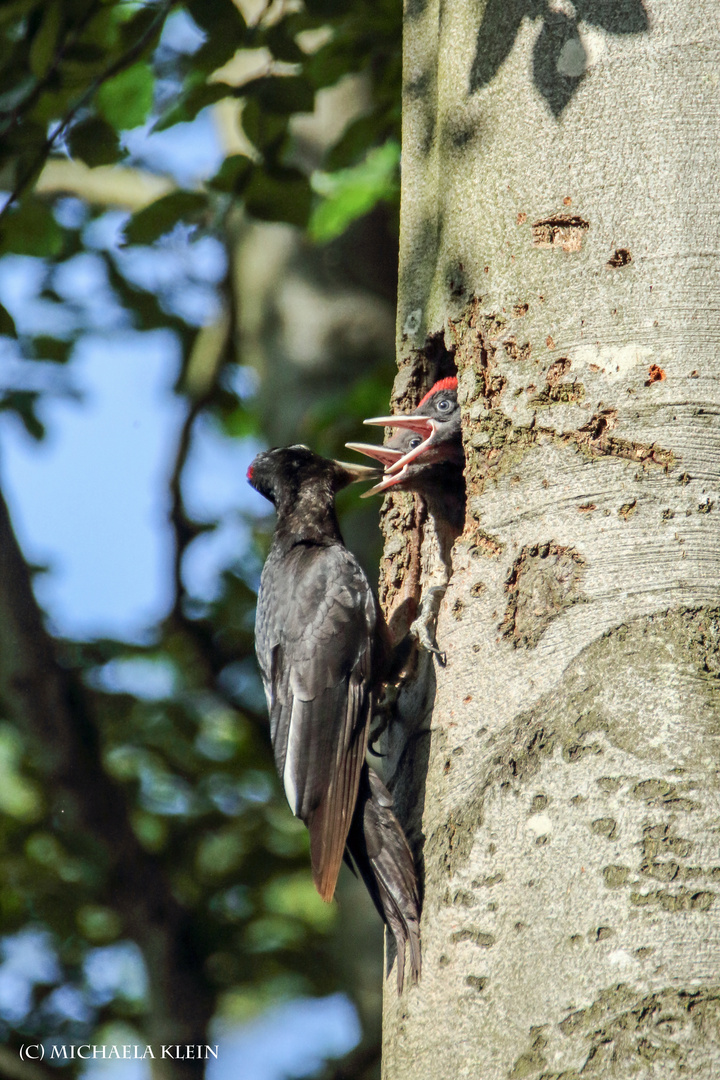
389,480
384,454
424,426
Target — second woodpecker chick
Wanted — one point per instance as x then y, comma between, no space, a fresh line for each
427,453
436,420
426,456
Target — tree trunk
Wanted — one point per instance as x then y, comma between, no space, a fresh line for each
559,238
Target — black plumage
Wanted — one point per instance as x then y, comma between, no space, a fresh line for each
383,858
315,634
320,647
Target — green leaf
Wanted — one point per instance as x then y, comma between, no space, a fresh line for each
329,64
125,100
50,348
295,894
7,323
191,102
351,193
95,142
31,229
280,94
84,53
233,174
16,84
52,103
263,129
45,42
357,139
15,9
161,216
282,44
281,195
137,25
98,924
239,423
213,15
23,403
216,51
25,136
326,8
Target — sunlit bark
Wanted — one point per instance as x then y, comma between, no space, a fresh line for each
559,232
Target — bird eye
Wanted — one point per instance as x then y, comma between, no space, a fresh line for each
415,441
444,404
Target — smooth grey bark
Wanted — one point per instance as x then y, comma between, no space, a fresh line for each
559,236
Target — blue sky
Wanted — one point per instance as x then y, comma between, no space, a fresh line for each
89,503
89,499
86,501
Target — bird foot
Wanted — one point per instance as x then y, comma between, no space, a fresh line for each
383,712
424,627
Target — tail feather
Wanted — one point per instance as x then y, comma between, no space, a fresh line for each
382,855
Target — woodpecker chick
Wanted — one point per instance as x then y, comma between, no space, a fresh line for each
316,637
428,449
426,455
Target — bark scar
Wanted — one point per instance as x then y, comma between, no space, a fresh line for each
564,231
544,581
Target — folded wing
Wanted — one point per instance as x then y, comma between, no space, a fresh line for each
315,643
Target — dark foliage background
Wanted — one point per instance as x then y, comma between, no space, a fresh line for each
158,822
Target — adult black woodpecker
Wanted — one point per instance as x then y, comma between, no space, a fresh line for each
321,648
317,642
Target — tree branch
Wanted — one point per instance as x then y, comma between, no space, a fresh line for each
199,381
54,711
124,61
359,1064
104,185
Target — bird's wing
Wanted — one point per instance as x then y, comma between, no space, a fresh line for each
315,640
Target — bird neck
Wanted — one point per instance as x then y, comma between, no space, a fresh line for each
309,518
443,487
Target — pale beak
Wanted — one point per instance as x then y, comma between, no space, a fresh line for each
389,480
424,426
358,472
384,454
421,424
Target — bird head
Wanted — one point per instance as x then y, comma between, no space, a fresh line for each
281,474
428,445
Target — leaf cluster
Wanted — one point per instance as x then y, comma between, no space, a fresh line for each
176,770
